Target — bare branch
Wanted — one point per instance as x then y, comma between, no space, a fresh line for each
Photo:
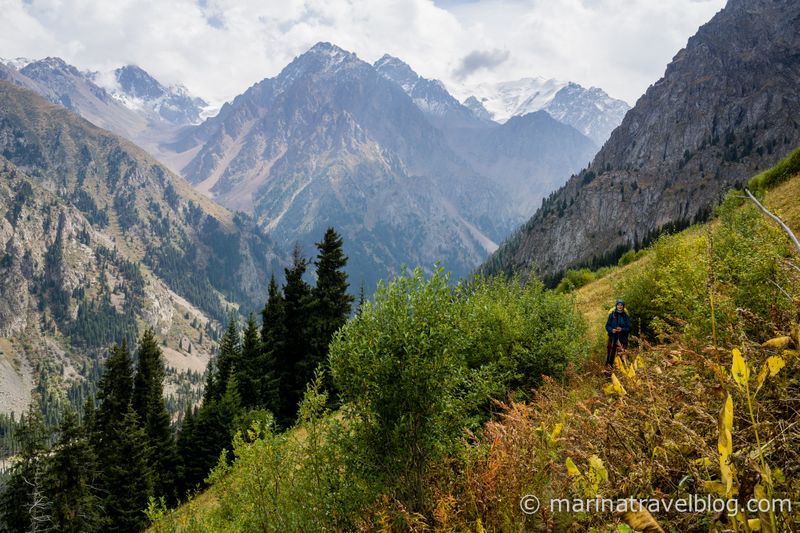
786,228
782,290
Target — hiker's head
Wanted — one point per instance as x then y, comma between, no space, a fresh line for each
620,305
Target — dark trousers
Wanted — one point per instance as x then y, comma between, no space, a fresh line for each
611,350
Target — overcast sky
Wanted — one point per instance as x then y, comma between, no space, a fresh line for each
218,48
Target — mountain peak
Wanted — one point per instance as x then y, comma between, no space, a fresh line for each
52,64
331,53
398,71
136,82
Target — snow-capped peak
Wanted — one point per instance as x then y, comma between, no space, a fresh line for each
506,99
136,89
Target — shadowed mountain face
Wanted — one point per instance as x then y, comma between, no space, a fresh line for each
726,107
332,142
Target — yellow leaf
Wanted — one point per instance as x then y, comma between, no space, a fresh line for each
703,461
715,487
778,343
556,431
775,363
572,470
615,387
772,366
629,371
754,524
642,520
790,353
765,522
597,474
739,369
725,444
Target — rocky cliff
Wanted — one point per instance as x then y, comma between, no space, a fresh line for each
726,107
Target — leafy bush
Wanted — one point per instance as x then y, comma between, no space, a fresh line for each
420,364
786,168
629,257
575,279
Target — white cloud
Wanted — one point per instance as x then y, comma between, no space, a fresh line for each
220,47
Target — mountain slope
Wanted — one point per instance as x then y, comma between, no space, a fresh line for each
726,106
527,156
99,240
330,141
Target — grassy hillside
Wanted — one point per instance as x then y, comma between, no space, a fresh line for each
705,404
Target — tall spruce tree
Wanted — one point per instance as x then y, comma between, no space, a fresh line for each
148,403
71,477
185,445
251,368
273,343
292,361
331,304
114,390
127,475
230,352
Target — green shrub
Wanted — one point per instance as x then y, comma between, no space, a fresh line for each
629,257
575,279
420,363
786,168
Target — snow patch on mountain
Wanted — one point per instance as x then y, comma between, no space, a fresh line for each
139,91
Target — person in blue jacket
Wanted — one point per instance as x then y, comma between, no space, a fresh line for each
618,326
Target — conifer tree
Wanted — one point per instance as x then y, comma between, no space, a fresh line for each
208,389
230,349
127,476
291,362
148,403
70,479
362,299
331,302
114,389
251,368
185,446
273,342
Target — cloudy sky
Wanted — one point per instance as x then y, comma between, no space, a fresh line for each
218,48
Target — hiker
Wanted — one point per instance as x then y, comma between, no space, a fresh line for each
618,326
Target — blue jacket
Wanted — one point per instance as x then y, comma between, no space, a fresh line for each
618,320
